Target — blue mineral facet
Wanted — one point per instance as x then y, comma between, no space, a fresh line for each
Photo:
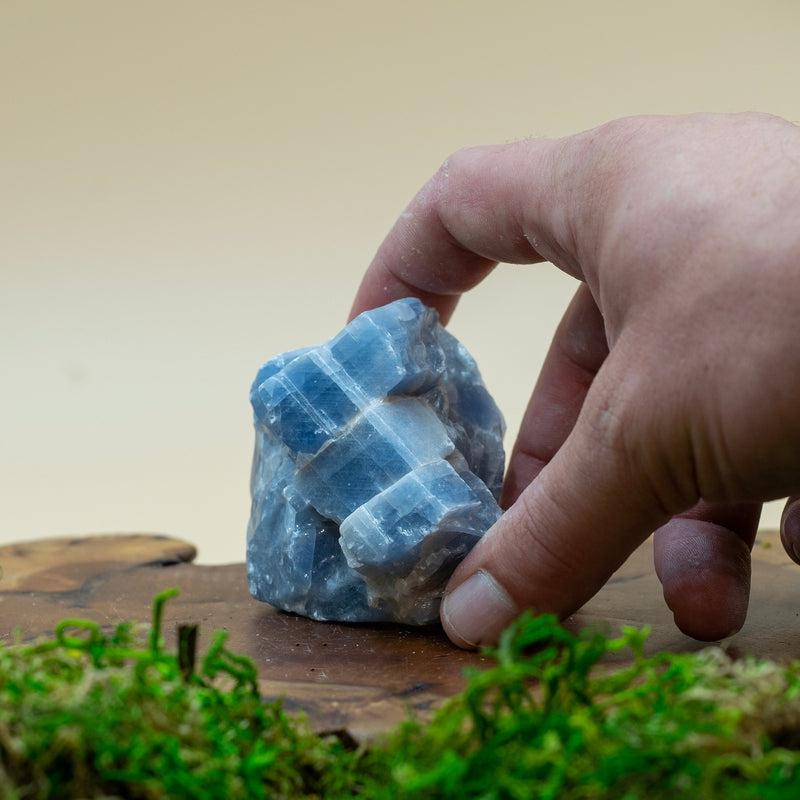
378,464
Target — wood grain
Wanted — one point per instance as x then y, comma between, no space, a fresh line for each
361,677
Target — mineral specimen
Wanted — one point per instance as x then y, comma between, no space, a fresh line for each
377,466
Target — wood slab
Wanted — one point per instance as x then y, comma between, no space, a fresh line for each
363,678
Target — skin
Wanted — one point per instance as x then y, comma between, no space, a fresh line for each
669,399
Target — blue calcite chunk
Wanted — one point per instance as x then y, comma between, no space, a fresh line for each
378,464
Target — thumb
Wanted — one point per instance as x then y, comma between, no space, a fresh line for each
601,495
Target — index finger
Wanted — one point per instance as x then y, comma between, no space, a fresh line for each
484,205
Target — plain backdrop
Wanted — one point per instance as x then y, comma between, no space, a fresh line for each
187,188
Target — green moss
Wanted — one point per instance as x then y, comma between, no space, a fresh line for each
91,715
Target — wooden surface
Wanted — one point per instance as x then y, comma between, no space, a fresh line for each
363,678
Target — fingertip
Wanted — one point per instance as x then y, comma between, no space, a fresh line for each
377,291
705,573
477,611
708,608
790,529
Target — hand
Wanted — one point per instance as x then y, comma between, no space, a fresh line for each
670,397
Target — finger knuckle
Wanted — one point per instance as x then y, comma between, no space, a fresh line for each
632,427
762,119
461,172
533,520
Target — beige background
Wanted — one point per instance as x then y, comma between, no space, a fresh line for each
187,188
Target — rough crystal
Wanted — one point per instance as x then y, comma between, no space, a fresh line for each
378,464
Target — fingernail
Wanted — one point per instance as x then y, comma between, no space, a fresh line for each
790,530
476,612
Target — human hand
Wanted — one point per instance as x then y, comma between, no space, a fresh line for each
670,397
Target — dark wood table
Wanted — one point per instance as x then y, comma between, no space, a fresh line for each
360,677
